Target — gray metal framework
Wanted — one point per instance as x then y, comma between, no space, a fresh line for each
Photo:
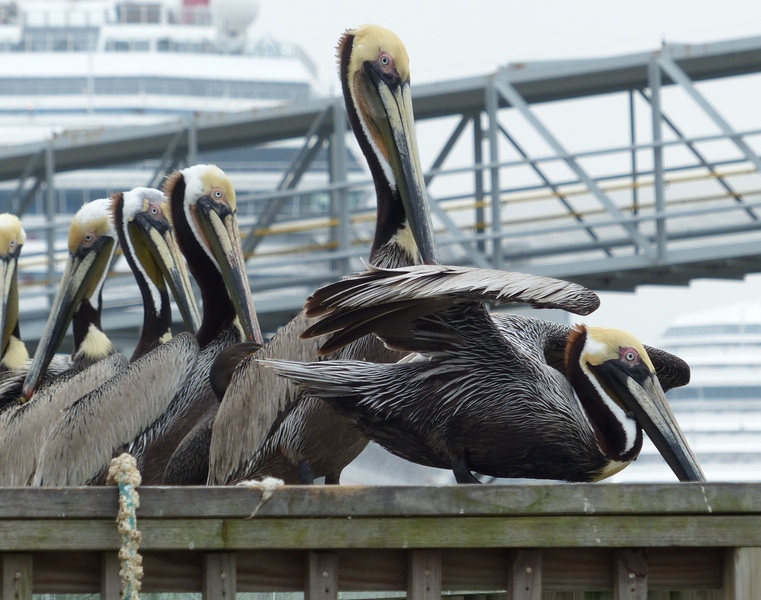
660,203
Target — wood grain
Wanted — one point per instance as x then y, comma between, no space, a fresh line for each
360,501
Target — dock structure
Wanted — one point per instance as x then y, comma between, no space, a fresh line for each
538,541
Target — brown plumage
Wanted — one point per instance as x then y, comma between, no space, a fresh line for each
263,427
204,214
96,420
488,393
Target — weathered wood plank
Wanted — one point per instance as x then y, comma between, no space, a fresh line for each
110,582
421,532
424,575
177,572
525,581
742,573
218,576
321,576
630,575
66,572
373,570
358,501
491,532
568,570
17,576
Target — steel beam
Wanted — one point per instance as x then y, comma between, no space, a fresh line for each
50,213
654,75
633,141
339,196
312,144
679,76
704,162
478,177
191,157
168,161
31,165
473,253
507,90
492,107
572,212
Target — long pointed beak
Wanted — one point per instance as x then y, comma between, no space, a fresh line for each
652,411
220,227
80,277
401,142
169,260
8,298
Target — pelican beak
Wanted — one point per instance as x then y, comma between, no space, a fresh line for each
167,258
646,400
8,297
84,270
398,131
219,225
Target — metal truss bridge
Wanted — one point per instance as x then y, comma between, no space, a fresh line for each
612,172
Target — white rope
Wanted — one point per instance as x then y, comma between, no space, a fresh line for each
123,472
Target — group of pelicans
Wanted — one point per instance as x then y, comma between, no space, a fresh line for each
405,354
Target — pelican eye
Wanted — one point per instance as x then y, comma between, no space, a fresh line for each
155,210
385,59
89,239
13,243
217,194
629,355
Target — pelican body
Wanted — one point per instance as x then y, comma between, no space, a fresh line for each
203,208
264,427
92,242
504,396
132,397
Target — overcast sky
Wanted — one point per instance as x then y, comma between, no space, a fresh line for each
448,39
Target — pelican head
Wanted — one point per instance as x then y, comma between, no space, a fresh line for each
375,77
616,383
12,238
92,242
204,212
148,232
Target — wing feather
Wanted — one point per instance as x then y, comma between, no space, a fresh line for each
93,428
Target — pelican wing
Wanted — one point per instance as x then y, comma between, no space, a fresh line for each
379,286
24,429
93,428
11,382
381,300
253,401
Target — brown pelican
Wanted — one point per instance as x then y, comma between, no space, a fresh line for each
13,353
262,428
92,242
203,208
135,396
494,395
14,358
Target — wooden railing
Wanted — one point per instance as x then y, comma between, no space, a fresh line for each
565,540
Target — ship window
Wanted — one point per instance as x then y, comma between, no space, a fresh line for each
750,392
716,329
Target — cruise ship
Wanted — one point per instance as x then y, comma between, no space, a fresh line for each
86,65
80,65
